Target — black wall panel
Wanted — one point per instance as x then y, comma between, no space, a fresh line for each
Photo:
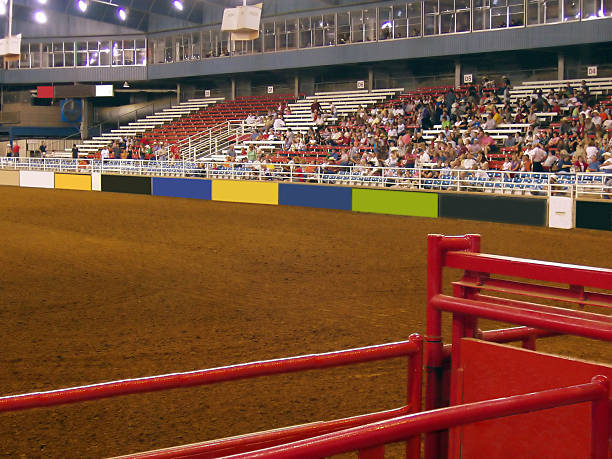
594,215
126,184
524,211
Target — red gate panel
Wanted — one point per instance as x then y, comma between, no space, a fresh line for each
489,370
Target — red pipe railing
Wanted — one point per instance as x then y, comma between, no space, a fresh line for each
259,440
398,429
412,348
210,376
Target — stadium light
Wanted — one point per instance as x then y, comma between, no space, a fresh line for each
82,5
40,17
2,7
42,2
122,14
178,4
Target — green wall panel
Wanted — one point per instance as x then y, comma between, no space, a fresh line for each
413,204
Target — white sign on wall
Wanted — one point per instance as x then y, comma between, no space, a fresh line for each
361,84
592,70
467,78
270,89
207,93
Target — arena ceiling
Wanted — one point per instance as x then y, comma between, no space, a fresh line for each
140,12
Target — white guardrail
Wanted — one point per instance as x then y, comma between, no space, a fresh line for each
579,185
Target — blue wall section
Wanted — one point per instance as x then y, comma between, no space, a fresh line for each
324,197
182,188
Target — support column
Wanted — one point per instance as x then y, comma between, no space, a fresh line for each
296,85
560,66
85,118
457,73
370,79
233,91
178,93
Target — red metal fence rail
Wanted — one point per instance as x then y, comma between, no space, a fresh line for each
411,348
370,436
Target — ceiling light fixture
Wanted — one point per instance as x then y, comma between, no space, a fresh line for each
42,2
126,84
122,14
40,17
2,8
82,5
178,4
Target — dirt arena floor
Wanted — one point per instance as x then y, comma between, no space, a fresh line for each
102,286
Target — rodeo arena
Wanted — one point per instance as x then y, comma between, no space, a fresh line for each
306,229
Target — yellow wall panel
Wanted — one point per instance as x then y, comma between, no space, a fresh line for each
73,181
243,191
9,178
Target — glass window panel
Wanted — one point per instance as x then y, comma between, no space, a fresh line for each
281,35
128,57
463,21
572,10
256,44
224,42
499,17
431,24
292,33
81,46
318,32
607,8
269,40
35,55
69,59
447,6
93,58
385,20
431,6
117,53
24,57
481,19
81,59
168,50
590,8
92,45
400,22
552,12
370,24
69,46
535,12
179,49
357,27
47,55
462,4
447,23
58,47
414,19
207,47
305,33
329,29
344,28
196,46
517,16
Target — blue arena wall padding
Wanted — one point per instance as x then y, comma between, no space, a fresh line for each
320,196
182,188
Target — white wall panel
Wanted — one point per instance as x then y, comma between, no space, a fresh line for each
37,179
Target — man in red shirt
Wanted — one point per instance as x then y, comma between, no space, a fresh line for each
16,150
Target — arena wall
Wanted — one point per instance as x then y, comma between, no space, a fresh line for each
502,209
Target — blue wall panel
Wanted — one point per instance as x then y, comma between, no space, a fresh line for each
324,197
182,188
